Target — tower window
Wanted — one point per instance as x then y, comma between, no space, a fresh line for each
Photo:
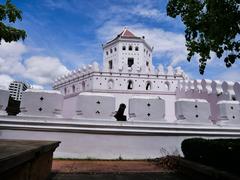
110,64
111,50
106,52
147,63
136,48
130,84
124,48
130,48
115,49
65,91
130,62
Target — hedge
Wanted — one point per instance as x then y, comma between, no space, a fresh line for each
220,153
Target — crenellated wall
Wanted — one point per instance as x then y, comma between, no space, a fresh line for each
210,90
91,78
190,101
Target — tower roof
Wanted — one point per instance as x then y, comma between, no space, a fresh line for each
126,33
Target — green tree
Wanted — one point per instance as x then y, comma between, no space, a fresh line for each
9,13
211,25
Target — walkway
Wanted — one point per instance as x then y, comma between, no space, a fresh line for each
111,170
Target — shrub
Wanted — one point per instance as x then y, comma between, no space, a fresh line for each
220,153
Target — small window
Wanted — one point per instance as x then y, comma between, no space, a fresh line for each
65,91
130,62
115,49
130,48
110,64
83,86
106,52
136,48
111,50
147,52
130,84
147,63
124,48
73,88
167,85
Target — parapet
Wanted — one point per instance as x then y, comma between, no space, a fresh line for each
95,106
146,108
43,103
193,111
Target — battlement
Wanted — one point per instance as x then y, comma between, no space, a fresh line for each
92,78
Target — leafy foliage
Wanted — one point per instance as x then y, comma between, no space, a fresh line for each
9,12
211,25
220,153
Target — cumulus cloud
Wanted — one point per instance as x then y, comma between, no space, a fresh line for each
43,70
11,57
165,43
5,80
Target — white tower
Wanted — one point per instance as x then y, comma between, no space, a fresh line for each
127,53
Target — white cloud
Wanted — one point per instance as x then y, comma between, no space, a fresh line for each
165,43
35,86
5,80
11,57
151,13
43,70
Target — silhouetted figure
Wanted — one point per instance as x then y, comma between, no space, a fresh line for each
119,115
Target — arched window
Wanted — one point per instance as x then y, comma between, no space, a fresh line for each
110,84
115,49
167,85
106,52
124,48
73,88
130,84
130,48
148,85
111,50
110,64
65,90
136,48
83,86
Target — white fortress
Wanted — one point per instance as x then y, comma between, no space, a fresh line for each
163,107
127,71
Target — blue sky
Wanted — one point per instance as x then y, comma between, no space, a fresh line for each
66,34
